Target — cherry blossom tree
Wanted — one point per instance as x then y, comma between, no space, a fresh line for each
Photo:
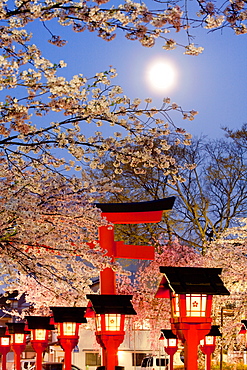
43,112
139,21
47,216
46,224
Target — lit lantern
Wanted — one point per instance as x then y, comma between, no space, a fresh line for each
4,346
191,306
208,344
68,320
109,312
170,344
39,326
109,322
68,329
191,290
18,340
5,341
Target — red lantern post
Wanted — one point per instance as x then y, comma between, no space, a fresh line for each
18,341
68,320
191,290
39,326
4,346
208,344
109,313
170,344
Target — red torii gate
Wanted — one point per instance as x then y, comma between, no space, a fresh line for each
127,213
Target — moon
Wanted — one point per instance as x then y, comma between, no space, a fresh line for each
161,75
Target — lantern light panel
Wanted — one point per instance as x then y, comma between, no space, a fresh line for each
38,334
209,340
112,322
18,338
196,305
68,328
5,341
171,342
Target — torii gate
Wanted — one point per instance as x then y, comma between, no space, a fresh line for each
127,213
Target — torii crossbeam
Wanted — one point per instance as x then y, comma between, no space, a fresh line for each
127,213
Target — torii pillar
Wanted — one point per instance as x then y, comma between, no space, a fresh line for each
127,213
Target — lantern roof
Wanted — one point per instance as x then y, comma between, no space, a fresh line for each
3,331
17,328
194,280
168,334
69,314
112,303
243,329
153,205
214,331
39,322
163,290
244,322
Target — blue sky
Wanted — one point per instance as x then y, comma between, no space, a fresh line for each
213,83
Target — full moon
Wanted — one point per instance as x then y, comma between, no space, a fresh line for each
161,75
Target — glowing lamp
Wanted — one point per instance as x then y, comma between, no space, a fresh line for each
208,341
4,346
18,333
170,339
208,344
191,307
109,312
18,340
5,341
67,329
39,326
191,291
170,344
68,320
109,322
210,338
39,335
